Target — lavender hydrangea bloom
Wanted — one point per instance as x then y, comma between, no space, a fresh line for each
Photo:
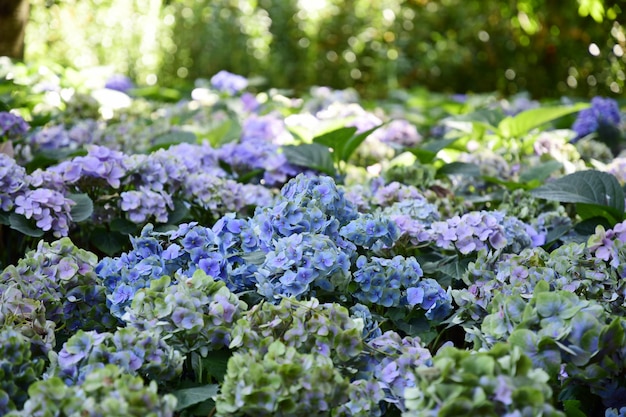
228,82
137,352
13,181
392,361
119,82
50,209
99,163
371,231
259,149
301,264
12,126
397,282
475,231
142,204
602,111
400,133
51,138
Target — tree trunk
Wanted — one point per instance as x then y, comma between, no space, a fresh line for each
13,19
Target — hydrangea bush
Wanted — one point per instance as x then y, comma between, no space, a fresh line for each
250,254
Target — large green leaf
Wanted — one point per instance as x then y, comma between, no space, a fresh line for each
24,225
353,143
459,168
587,187
313,155
226,132
172,138
335,140
540,172
427,152
83,209
111,243
191,396
524,122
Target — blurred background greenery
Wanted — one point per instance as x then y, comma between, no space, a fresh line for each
549,48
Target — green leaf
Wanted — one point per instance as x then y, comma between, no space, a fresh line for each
557,232
427,152
524,122
590,211
216,363
587,227
110,243
459,168
180,212
540,172
172,138
5,218
83,209
587,187
24,225
191,396
246,177
572,408
123,226
336,140
314,155
156,93
353,143
226,132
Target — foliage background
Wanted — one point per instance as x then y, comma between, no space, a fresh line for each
549,48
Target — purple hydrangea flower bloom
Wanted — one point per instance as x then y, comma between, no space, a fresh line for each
119,82
228,82
12,126
602,111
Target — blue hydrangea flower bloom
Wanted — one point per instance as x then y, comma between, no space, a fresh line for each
228,82
602,111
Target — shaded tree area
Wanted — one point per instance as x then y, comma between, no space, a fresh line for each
549,48
13,20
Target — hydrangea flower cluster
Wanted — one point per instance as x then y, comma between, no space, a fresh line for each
258,150
400,133
308,326
571,338
12,126
413,218
123,276
119,82
143,204
107,391
28,317
603,111
385,195
480,230
281,380
17,369
609,245
61,277
49,209
391,360
571,267
306,204
371,231
398,282
196,314
100,163
371,327
228,82
13,181
137,352
312,336
301,263
501,381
